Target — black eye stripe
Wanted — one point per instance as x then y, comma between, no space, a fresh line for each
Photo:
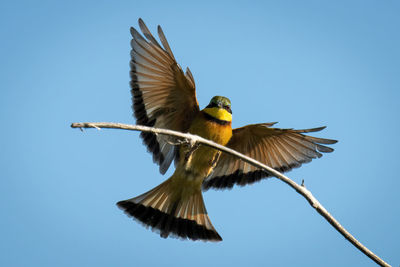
227,108
215,105
212,105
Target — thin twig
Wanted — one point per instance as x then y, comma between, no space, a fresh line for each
301,189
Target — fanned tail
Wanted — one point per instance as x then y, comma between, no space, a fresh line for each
172,212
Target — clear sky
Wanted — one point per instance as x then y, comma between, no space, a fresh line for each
302,63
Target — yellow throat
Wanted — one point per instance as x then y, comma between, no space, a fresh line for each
219,113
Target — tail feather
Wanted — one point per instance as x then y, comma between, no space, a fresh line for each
172,213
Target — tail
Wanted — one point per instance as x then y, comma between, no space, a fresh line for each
172,212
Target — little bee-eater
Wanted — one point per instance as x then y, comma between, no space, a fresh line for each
164,97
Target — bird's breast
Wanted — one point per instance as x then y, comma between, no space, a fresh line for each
198,162
211,129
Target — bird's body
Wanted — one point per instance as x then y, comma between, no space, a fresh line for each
180,196
201,162
164,96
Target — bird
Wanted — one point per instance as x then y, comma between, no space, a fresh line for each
164,96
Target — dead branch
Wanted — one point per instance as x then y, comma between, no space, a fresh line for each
301,189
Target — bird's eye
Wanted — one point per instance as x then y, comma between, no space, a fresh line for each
228,108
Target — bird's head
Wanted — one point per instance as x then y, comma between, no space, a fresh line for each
219,108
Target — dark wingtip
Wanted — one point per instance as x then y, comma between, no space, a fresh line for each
132,31
324,149
271,123
311,130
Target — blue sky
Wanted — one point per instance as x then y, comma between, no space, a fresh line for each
302,63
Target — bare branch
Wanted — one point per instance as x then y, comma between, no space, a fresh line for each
301,189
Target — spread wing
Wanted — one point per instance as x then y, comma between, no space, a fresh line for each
281,149
163,95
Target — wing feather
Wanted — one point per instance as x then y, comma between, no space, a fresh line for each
189,75
163,96
147,33
281,149
164,41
